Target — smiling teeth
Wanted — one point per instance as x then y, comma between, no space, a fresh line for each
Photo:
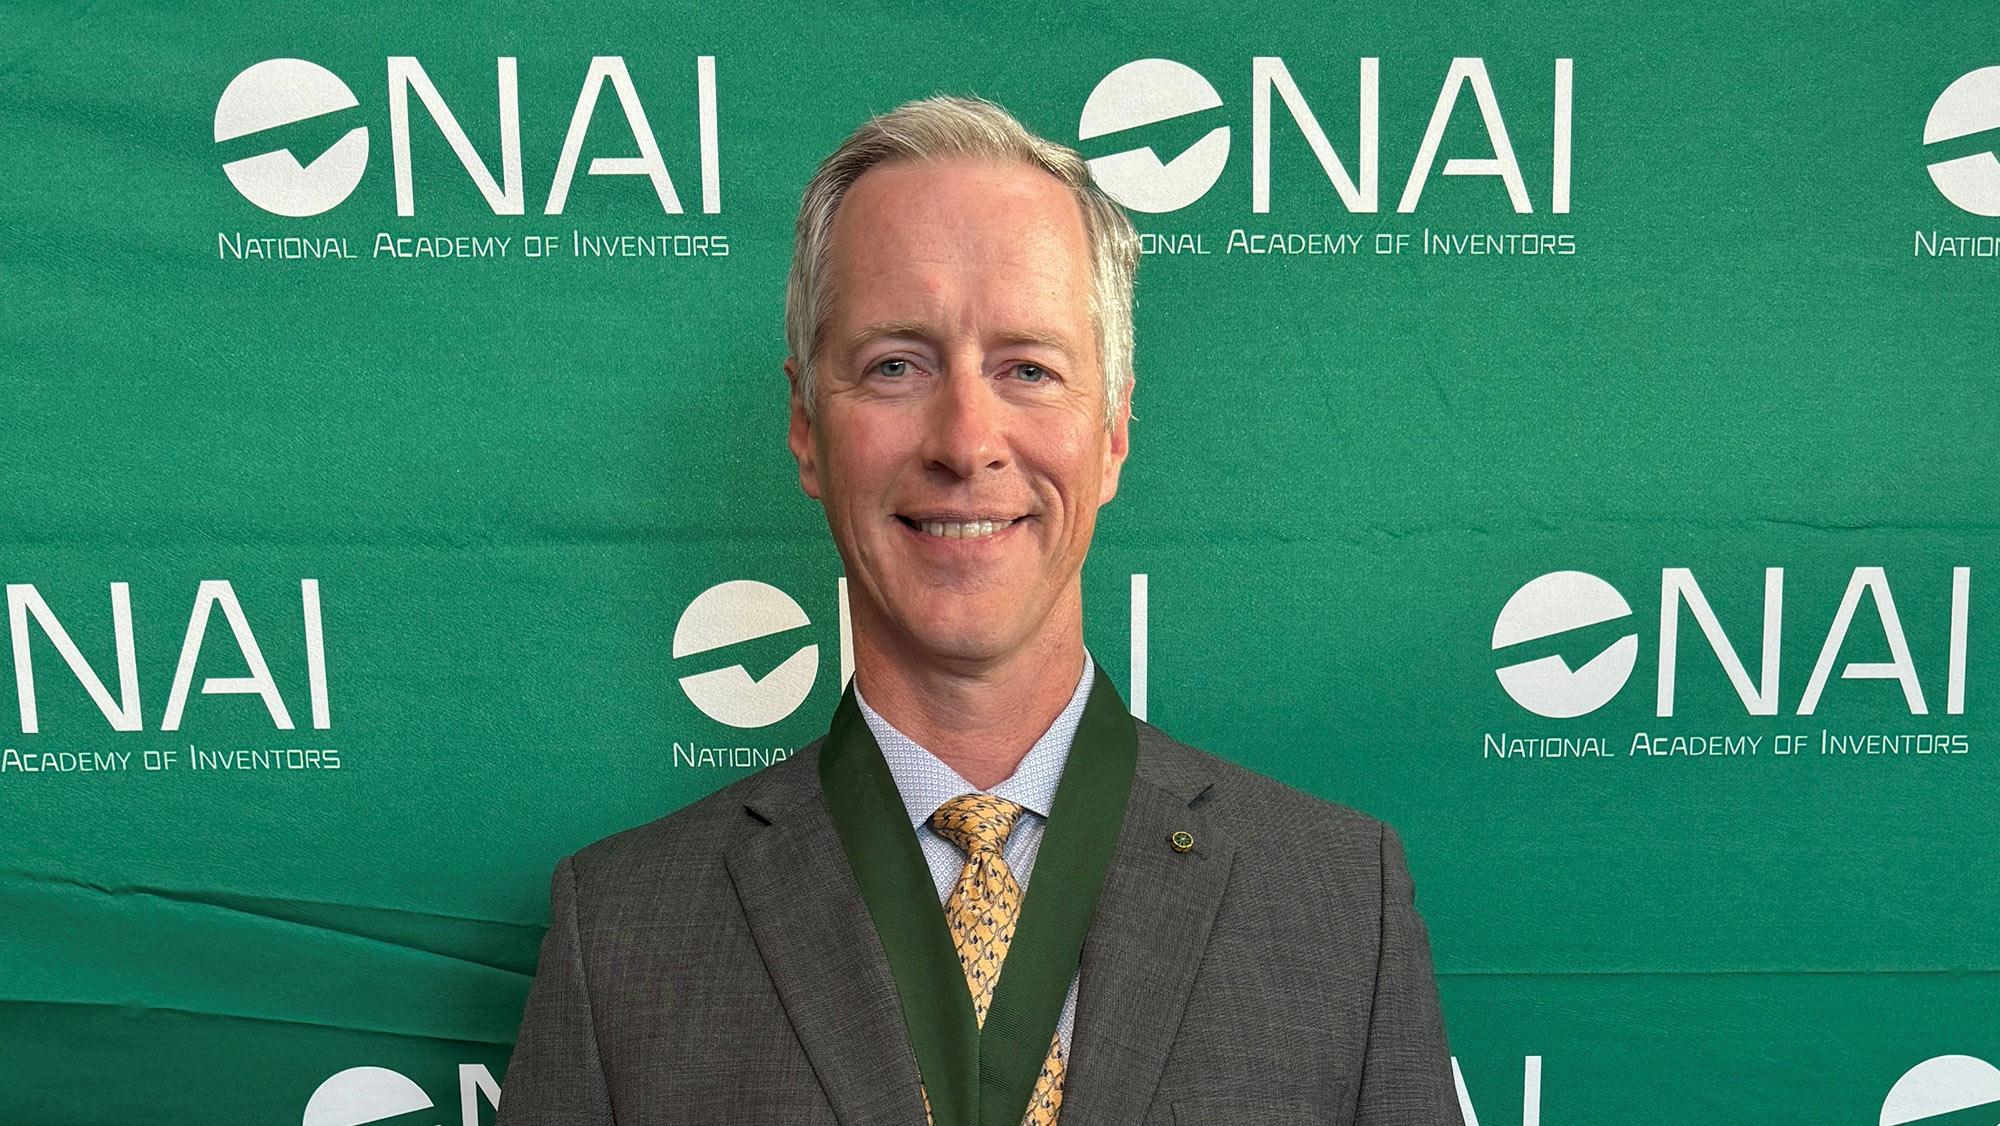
968,530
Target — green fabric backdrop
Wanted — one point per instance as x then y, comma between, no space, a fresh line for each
1761,336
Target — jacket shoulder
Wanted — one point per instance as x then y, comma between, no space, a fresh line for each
707,828
1253,808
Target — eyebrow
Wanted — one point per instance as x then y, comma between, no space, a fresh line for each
919,330
885,330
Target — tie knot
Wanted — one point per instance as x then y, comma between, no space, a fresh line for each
976,821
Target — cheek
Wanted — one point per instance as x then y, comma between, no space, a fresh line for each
859,462
1076,460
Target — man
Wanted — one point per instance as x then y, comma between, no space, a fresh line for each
1181,940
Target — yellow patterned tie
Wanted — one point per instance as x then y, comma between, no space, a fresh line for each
981,913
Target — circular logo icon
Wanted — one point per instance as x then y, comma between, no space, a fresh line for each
363,1094
279,92
731,613
1557,603
1941,1085
1143,93
1969,105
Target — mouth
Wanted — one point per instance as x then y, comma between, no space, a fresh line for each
957,526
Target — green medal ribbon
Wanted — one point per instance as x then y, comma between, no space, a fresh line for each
974,1078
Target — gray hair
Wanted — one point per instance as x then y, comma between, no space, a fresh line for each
941,128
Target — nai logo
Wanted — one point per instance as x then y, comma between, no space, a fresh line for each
739,615
732,613
1969,105
1557,603
279,92
1150,91
363,1095
1561,602
1942,1085
1143,93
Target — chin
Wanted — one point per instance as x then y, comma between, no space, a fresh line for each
965,630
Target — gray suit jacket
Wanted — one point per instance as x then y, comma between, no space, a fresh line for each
718,965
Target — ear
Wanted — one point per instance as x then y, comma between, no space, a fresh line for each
1117,444
800,435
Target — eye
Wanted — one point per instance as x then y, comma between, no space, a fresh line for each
894,369
1031,373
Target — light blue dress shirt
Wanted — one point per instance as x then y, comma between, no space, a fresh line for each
926,783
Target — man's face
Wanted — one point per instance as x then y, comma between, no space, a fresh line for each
960,445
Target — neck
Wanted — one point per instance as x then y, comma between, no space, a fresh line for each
978,717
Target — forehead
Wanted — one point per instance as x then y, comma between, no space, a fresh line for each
944,238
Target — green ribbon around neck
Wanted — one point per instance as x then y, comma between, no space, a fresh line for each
974,1077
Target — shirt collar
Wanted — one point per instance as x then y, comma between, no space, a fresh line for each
925,782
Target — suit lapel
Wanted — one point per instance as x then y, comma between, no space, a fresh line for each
813,931
1144,947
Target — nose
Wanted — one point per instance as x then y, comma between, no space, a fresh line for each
966,428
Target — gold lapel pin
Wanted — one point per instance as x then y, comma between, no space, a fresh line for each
1182,841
